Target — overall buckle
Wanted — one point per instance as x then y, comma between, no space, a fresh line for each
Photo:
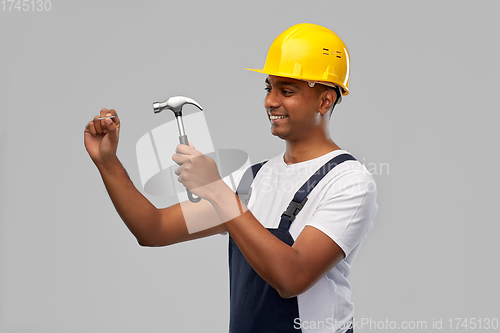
294,208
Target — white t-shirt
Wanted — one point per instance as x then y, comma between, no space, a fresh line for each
342,205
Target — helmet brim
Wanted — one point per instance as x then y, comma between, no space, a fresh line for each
345,90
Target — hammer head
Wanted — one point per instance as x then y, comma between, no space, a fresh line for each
175,104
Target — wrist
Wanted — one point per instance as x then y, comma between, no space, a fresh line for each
226,203
218,192
107,164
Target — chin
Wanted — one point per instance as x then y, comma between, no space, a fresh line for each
279,134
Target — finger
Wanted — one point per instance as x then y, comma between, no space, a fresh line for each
186,150
108,113
111,122
181,149
111,128
92,128
105,123
180,159
178,171
97,125
103,112
116,119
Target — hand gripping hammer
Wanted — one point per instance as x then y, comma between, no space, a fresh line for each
175,104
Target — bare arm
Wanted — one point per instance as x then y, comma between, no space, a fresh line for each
290,270
151,226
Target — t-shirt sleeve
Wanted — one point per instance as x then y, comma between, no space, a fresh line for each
347,211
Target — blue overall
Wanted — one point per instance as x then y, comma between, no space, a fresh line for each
255,306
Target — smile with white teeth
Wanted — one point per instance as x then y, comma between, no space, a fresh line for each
276,117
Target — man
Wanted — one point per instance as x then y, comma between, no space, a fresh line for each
289,270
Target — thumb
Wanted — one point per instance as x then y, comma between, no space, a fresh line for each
112,131
191,144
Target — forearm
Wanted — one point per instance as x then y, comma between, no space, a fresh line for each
275,261
138,214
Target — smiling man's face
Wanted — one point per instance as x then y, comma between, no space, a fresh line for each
292,107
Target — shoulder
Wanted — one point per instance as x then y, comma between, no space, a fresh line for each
349,187
346,206
265,167
351,180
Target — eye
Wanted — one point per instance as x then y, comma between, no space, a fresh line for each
267,89
286,92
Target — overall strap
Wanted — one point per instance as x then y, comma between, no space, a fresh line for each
244,190
300,197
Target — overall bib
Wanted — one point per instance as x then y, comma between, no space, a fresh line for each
255,306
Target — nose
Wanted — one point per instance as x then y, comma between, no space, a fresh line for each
272,100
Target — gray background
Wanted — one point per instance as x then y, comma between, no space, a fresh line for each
422,115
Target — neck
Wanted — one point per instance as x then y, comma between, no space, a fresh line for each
303,151
310,143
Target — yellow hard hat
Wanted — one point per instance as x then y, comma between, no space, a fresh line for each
311,53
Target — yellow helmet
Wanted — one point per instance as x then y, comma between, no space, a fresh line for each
311,53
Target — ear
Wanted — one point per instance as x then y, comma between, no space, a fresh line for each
327,98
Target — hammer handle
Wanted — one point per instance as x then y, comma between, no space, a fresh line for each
192,198
183,139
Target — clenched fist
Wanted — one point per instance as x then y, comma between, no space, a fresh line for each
101,136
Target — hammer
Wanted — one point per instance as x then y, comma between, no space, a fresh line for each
175,104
